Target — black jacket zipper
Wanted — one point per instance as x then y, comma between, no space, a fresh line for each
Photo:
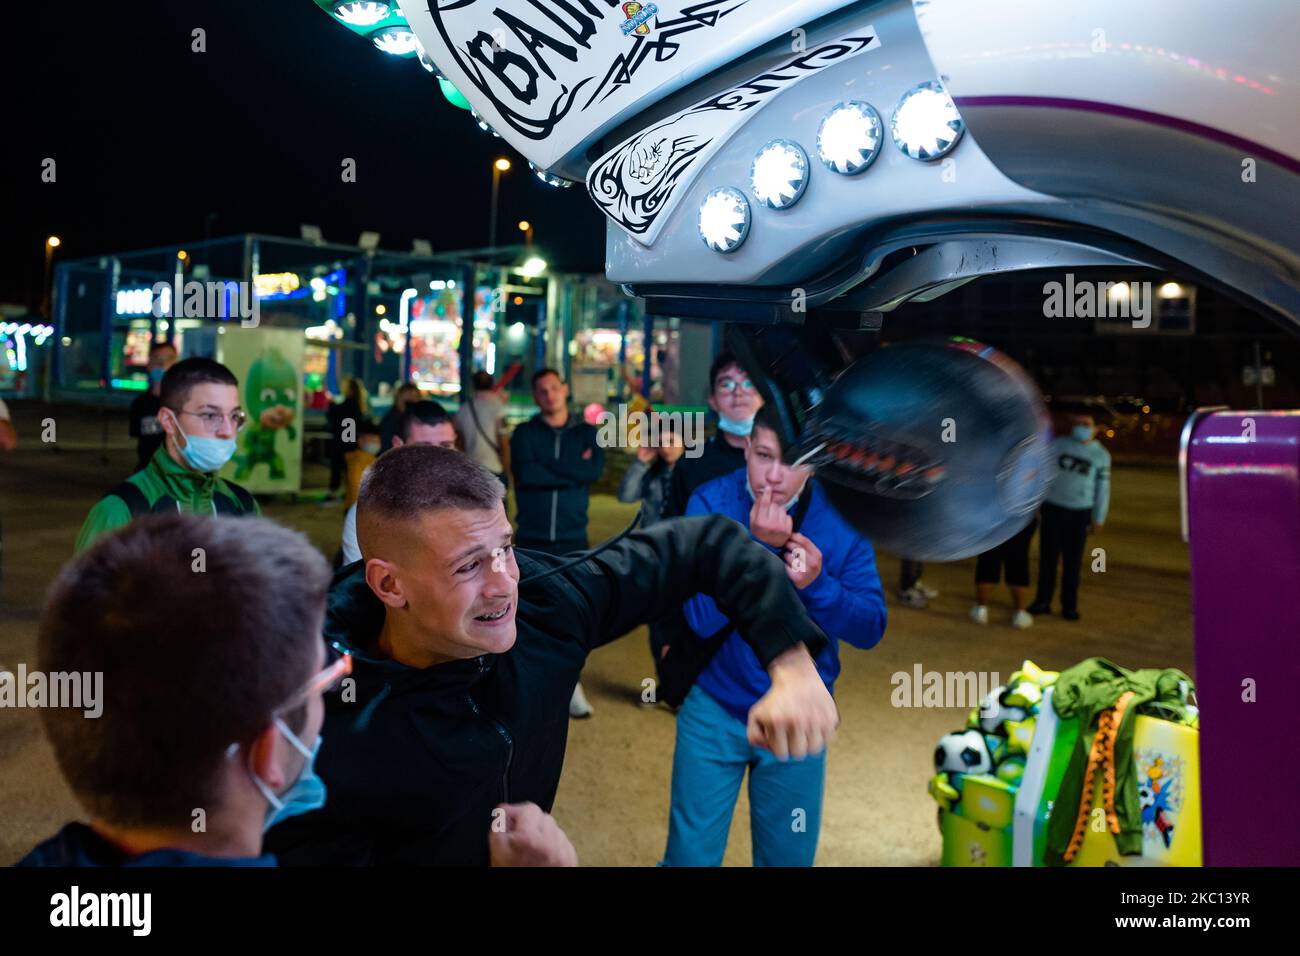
505,735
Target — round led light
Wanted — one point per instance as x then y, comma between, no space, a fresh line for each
779,174
361,14
724,219
849,137
397,41
550,178
483,124
926,124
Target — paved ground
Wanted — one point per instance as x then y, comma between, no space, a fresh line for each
613,797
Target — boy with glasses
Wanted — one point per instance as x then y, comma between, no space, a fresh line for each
221,727
733,397
200,415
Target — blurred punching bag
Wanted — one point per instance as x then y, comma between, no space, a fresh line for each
936,450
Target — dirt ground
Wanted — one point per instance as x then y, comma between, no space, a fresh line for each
613,798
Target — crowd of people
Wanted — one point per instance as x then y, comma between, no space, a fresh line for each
412,706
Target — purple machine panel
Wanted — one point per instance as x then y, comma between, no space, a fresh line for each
1241,515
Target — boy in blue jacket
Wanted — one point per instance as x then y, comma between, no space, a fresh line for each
833,569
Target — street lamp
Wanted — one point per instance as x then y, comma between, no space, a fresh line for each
499,167
526,228
52,243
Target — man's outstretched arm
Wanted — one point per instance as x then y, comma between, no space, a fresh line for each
654,571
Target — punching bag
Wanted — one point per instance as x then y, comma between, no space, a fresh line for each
935,450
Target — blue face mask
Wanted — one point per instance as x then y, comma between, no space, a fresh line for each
1081,433
156,375
736,426
207,454
307,793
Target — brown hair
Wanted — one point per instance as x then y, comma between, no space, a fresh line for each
407,481
201,627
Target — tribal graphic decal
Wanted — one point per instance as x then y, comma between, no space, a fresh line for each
527,69
634,183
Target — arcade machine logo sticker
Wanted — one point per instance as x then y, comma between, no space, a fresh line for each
638,18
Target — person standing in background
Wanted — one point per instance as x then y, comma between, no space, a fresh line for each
1014,554
345,419
648,478
359,459
144,410
1078,498
479,422
8,437
406,393
912,591
554,458
735,400
200,416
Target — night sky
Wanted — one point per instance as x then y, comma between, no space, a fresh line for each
150,138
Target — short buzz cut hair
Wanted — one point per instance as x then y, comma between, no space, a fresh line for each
406,482
192,660
541,373
174,391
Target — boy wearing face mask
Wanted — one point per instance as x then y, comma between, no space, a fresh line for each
200,415
359,459
221,727
1077,500
243,694
734,398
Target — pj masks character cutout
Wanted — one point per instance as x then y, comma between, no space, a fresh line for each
271,396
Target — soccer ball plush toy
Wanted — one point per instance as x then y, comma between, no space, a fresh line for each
963,751
994,711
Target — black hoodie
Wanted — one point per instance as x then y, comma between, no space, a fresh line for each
415,760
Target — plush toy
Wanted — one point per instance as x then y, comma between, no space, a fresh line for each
963,751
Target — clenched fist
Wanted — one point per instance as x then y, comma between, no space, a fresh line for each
523,834
797,717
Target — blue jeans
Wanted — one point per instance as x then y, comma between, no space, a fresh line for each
785,797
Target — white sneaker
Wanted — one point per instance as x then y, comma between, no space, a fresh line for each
578,703
979,614
913,598
1021,620
928,592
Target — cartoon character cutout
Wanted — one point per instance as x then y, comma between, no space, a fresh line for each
271,399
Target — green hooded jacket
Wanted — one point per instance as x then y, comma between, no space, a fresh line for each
1083,692
164,486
